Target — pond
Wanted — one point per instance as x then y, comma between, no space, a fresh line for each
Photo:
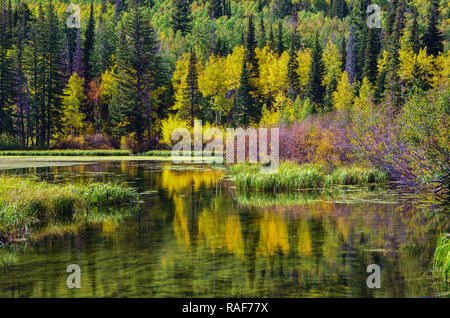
194,235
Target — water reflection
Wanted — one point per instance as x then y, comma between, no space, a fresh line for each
195,236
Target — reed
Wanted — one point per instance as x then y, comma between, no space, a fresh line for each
24,201
291,176
441,264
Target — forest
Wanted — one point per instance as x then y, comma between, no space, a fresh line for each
345,84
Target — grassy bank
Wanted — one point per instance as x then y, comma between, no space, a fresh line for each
291,176
441,265
168,153
24,202
65,153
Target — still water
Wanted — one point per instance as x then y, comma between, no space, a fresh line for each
193,235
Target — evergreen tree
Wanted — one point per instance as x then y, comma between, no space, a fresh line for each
350,64
358,23
133,106
192,90
371,55
414,34
244,112
343,51
262,34
54,84
433,38
280,45
315,87
181,17
22,100
119,5
271,43
6,71
390,21
392,77
77,56
250,45
88,46
105,46
293,79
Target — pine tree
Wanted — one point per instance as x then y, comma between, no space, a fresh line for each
137,62
350,64
262,34
21,98
280,45
6,72
371,55
414,34
433,38
357,22
250,54
293,79
244,108
343,51
192,90
77,56
54,84
181,17
88,46
392,77
271,43
118,10
390,21
315,88
105,46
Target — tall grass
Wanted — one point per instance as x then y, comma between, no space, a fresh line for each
291,176
24,201
65,153
441,265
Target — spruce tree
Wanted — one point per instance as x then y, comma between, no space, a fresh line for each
315,88
88,47
262,34
390,21
350,64
293,79
343,51
77,56
433,38
271,40
414,34
181,17
136,60
244,101
250,46
192,90
280,45
392,76
371,55
6,71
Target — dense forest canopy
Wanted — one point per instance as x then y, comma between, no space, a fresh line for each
138,68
